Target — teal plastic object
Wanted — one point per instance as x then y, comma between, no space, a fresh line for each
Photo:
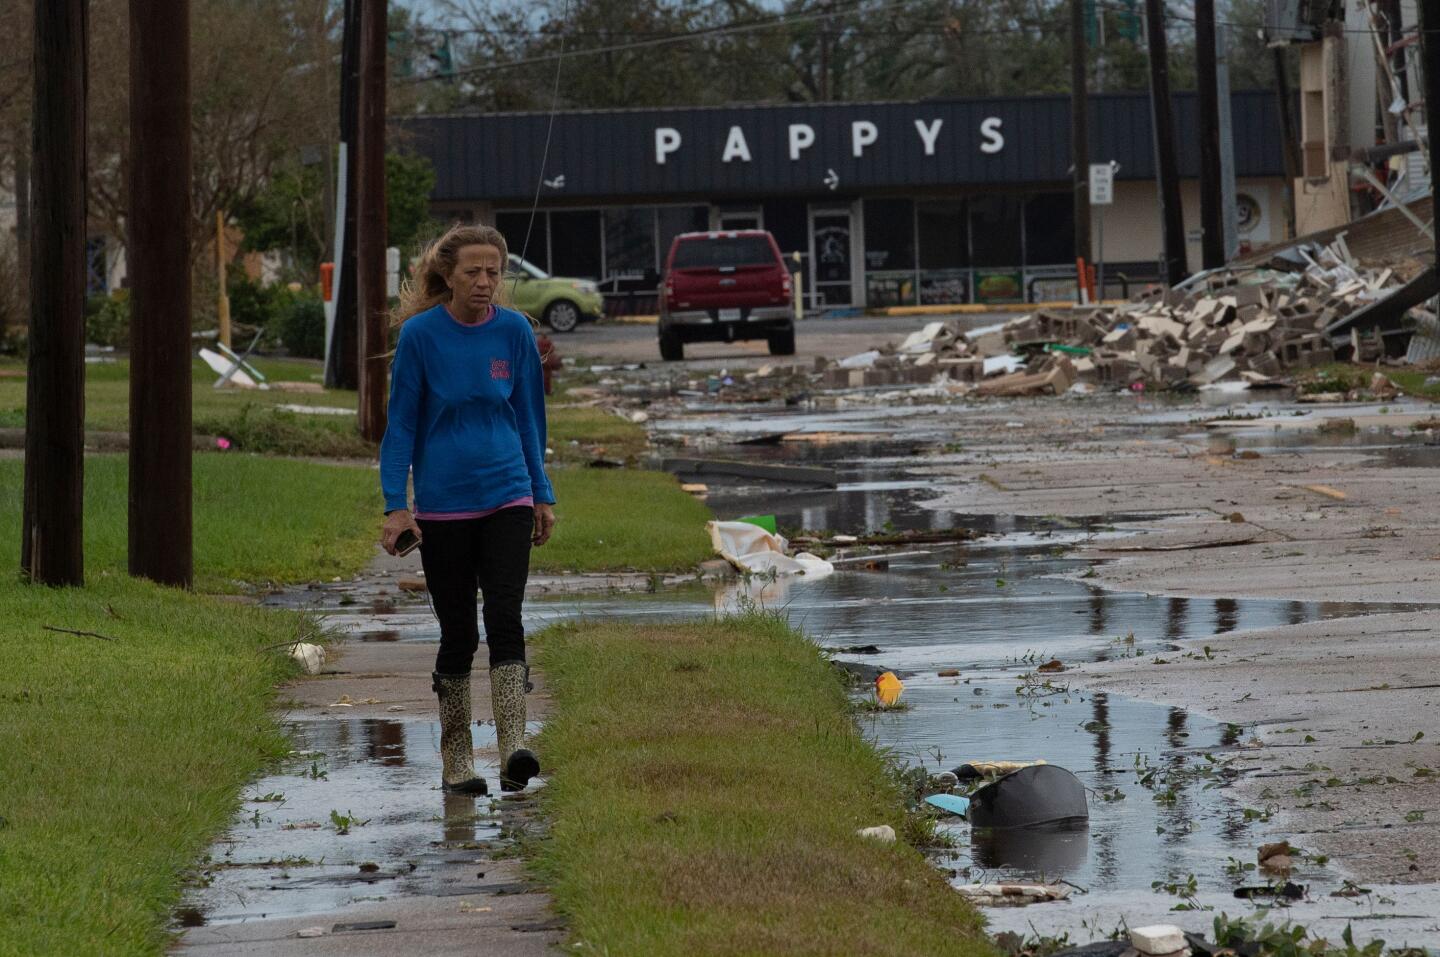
952,803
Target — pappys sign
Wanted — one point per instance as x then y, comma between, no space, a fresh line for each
813,149
822,149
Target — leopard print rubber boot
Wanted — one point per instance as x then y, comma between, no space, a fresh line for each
508,685
457,750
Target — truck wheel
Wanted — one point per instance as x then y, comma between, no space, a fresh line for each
783,343
671,348
562,315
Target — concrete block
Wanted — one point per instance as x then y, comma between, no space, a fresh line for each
1266,364
1120,338
1161,326
1157,939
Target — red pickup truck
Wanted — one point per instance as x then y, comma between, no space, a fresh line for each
724,286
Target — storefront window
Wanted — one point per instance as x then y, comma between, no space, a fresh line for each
674,220
513,227
629,242
575,244
997,233
1050,229
889,234
943,226
996,230
890,252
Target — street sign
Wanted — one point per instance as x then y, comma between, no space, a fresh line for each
1102,184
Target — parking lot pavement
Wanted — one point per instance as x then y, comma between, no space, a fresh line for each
830,338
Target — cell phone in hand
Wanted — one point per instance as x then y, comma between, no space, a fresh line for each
407,542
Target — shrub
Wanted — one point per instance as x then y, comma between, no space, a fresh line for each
257,305
107,319
302,326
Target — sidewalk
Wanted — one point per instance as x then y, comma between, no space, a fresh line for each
434,870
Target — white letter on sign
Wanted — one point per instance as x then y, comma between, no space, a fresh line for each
802,137
735,146
667,141
990,129
862,134
928,134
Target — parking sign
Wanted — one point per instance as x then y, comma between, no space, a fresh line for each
1102,183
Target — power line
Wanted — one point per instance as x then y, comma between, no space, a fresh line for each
651,39
709,32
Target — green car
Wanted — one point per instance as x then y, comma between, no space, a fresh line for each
562,304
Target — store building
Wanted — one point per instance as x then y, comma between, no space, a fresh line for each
926,202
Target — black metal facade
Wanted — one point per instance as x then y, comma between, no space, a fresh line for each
987,142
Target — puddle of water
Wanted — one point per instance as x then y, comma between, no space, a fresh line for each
991,609
392,827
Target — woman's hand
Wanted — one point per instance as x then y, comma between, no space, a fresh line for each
395,523
544,524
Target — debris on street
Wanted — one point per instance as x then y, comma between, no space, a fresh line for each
1040,794
1012,895
310,657
754,550
883,833
1249,326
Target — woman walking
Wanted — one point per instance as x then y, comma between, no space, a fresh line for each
467,418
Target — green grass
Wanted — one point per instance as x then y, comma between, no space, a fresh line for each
623,520
252,422
248,417
121,760
255,519
705,783
1344,376
595,433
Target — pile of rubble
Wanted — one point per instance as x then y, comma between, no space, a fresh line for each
1249,325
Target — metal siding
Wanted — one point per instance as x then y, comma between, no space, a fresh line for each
612,153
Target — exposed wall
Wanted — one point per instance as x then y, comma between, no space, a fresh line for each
1132,224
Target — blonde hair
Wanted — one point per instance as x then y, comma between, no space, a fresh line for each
428,287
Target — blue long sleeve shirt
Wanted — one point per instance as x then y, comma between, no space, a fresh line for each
467,414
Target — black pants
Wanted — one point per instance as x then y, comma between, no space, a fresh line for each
491,555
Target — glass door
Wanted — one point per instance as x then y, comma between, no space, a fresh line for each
832,253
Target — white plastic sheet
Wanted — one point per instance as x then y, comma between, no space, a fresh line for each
752,549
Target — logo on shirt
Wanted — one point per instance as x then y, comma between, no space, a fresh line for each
499,369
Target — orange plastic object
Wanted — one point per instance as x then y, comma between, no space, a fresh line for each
888,688
327,280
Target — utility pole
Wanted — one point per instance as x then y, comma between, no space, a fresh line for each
1289,145
1228,199
52,546
1080,133
1430,62
222,300
342,368
22,213
159,267
1166,169
370,221
1212,228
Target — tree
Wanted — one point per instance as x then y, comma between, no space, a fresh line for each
264,85
630,53
289,212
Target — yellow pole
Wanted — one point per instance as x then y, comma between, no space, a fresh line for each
223,301
797,291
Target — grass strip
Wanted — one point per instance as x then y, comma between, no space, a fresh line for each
579,434
705,784
255,519
122,759
254,420
623,520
